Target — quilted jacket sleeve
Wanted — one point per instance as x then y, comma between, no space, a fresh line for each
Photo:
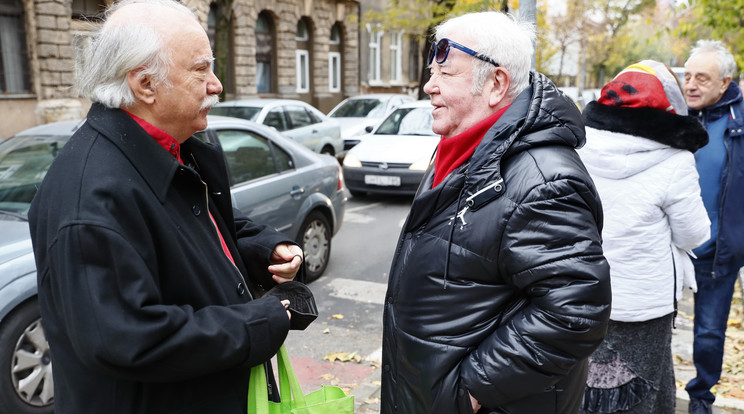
684,207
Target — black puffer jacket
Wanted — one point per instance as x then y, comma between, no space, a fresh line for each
507,299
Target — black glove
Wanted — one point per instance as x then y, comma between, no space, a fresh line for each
301,303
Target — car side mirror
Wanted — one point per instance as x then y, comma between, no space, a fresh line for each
369,128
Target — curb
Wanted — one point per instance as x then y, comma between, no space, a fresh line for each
367,394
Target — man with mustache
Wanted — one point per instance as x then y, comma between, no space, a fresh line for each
146,274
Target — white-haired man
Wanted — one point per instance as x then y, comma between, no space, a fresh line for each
717,102
498,290
145,272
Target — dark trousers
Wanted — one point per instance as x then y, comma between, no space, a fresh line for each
712,305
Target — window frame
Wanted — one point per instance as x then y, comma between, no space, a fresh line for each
302,70
334,71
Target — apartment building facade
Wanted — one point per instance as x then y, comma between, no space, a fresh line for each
298,49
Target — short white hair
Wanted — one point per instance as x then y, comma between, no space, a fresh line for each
507,41
116,49
726,63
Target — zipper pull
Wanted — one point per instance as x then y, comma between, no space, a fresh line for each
461,215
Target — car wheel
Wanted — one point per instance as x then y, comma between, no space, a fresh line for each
315,239
26,362
328,150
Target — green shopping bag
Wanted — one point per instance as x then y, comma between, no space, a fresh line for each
327,400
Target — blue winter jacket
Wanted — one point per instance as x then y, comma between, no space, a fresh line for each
729,254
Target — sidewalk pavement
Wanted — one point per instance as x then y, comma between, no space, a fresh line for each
730,390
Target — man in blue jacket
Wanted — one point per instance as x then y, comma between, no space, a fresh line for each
717,102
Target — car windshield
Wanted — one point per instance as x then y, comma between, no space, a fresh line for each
360,108
24,161
407,121
245,112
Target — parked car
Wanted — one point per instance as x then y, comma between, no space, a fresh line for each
393,158
358,115
294,119
274,180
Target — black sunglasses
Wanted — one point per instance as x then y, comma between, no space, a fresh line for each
440,51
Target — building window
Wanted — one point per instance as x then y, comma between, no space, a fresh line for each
334,59
375,38
88,9
301,34
14,71
335,36
264,54
334,72
413,58
303,71
396,53
221,34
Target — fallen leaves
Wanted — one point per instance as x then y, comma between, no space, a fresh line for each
343,357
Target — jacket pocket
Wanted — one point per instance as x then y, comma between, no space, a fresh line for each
545,402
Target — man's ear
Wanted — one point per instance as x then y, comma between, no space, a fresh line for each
498,81
725,84
141,86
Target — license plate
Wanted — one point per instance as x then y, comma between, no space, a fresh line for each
384,180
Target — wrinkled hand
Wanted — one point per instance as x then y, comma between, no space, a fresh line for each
285,302
285,262
474,403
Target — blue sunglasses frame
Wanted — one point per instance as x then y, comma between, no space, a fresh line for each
444,44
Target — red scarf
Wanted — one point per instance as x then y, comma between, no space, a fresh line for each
452,152
161,137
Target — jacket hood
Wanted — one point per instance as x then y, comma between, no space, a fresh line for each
676,131
538,108
616,156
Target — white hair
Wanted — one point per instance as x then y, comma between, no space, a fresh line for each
118,48
509,42
726,63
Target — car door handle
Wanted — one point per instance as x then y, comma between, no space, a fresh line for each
296,191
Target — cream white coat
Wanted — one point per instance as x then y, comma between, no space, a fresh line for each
653,214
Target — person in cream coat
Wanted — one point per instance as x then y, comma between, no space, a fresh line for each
640,153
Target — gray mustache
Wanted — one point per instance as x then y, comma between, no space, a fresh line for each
210,101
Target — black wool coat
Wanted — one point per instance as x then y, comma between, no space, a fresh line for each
143,311
498,286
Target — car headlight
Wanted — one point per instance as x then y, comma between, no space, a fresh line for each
421,165
351,161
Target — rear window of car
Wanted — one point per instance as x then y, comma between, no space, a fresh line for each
24,162
407,121
360,108
244,112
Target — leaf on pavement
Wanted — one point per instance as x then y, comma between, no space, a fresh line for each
343,357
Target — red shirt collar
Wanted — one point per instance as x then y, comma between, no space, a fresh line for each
161,137
452,152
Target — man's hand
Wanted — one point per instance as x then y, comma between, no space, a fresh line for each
286,260
474,403
286,306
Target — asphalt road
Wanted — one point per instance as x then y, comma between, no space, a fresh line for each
343,346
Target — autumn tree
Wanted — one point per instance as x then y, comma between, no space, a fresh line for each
715,19
420,17
604,22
